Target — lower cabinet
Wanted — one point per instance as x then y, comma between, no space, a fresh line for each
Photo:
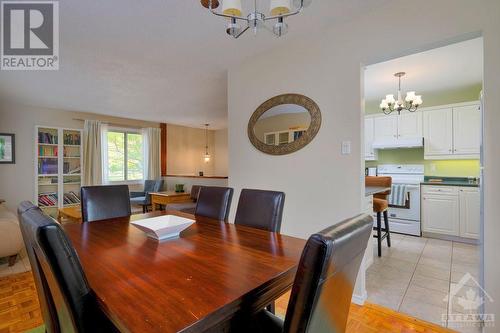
452,211
470,212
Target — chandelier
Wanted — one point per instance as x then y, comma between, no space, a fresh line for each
410,103
279,10
206,156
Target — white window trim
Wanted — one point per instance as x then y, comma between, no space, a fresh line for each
105,156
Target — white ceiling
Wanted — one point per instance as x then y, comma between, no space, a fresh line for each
443,69
157,60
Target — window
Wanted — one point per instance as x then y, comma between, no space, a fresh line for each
124,156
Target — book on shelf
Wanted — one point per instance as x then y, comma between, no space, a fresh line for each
71,198
45,137
72,139
71,152
47,199
47,166
47,151
68,170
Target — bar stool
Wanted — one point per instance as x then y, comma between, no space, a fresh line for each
380,206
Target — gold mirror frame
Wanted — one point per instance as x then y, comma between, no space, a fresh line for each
296,145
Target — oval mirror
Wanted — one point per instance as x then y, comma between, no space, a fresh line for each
284,124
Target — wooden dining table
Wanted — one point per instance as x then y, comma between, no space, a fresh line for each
206,277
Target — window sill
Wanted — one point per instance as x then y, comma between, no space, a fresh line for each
126,182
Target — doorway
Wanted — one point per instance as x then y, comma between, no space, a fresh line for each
422,126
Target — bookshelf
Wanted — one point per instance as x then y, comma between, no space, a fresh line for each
58,163
283,137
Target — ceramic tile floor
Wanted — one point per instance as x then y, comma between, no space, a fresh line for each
416,274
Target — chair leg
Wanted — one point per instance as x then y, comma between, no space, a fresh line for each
379,234
143,209
12,260
272,308
386,222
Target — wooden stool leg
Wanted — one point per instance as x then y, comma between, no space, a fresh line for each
386,222
379,234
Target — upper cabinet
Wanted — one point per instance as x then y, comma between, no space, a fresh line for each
393,127
410,125
466,130
452,133
438,132
386,128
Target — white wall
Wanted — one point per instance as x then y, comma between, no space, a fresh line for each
221,167
323,186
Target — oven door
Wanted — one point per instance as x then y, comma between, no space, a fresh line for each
411,209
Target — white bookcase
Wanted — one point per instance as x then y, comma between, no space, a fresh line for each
283,137
58,165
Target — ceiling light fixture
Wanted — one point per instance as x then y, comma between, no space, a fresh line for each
206,156
410,103
233,11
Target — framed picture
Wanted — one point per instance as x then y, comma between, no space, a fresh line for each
7,148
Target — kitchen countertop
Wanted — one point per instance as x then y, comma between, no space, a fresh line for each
450,181
371,190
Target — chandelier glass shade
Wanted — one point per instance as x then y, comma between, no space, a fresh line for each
239,23
410,103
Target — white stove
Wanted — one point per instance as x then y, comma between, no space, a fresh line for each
405,219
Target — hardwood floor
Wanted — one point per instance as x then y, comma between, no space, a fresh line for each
20,311
19,307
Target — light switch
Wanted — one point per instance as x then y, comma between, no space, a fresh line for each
346,147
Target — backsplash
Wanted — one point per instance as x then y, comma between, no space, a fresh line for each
444,168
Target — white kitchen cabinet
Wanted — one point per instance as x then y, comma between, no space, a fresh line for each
386,128
451,210
470,213
466,130
453,132
440,214
370,154
438,132
410,125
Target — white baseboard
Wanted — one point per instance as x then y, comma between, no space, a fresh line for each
359,299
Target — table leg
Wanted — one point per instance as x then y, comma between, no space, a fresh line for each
153,204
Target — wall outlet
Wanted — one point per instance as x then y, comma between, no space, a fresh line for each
433,167
346,147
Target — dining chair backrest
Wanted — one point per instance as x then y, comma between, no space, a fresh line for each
195,191
324,282
260,209
214,202
68,304
105,202
152,186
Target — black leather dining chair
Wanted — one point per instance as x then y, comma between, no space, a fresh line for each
214,202
324,283
260,209
67,302
104,202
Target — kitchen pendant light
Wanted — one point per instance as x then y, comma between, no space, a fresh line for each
410,103
255,19
206,156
